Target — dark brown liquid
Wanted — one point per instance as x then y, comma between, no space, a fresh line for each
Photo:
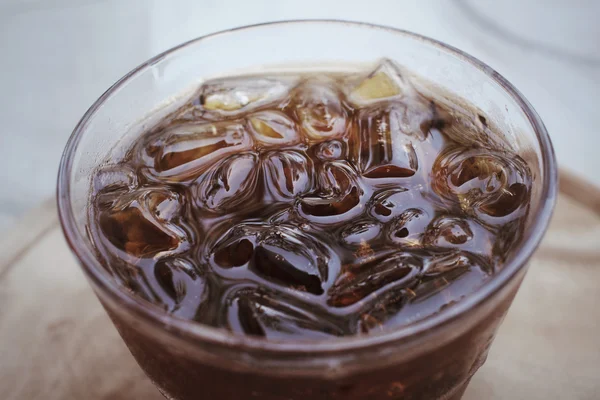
311,206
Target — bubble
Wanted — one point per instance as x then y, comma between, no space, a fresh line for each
319,109
184,151
227,184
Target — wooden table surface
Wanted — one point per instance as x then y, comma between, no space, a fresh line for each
56,342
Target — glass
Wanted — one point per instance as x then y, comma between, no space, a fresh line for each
431,359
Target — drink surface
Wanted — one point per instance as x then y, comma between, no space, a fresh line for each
311,206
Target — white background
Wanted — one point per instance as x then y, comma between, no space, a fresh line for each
58,56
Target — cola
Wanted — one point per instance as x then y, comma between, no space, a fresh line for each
318,205
311,207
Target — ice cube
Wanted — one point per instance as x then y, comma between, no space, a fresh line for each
330,150
443,271
383,144
508,201
359,233
456,232
184,151
388,204
234,254
287,256
228,184
337,198
179,286
236,247
114,177
450,231
319,109
408,228
447,278
447,262
257,313
271,128
507,239
112,181
374,278
287,174
232,97
284,215
385,82
145,222
374,318
490,185
269,262
281,253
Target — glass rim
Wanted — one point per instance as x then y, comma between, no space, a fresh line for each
190,329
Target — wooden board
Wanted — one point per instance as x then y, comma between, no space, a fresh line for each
57,343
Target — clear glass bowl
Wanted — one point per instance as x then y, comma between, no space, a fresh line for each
430,359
